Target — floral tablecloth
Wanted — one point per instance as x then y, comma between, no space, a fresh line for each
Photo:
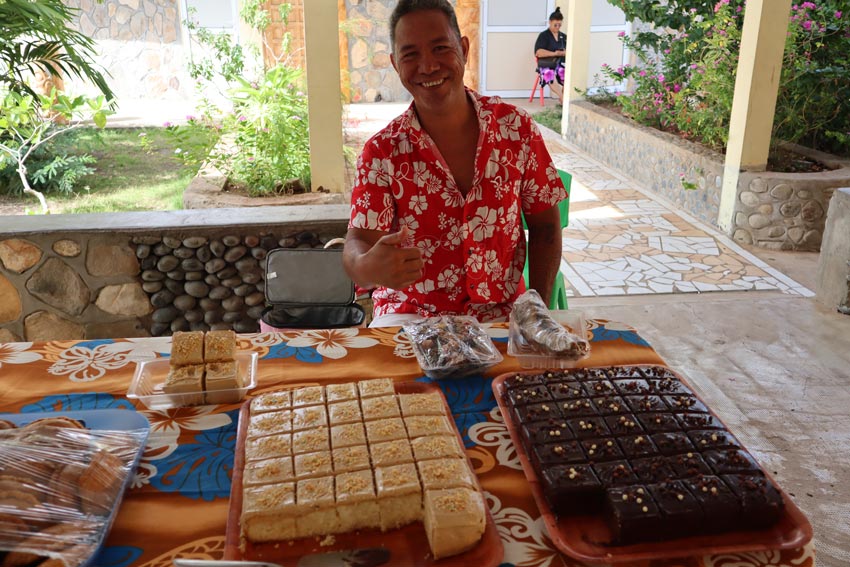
177,504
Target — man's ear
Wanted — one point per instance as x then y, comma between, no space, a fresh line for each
464,45
392,60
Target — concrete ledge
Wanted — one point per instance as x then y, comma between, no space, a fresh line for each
833,289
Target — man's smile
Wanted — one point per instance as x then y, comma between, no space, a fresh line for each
436,83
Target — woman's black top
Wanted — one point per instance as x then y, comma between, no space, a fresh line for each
548,42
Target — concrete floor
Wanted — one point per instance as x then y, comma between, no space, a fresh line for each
776,369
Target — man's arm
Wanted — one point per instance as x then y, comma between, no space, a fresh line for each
544,250
547,53
375,258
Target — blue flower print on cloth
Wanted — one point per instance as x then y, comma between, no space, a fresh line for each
117,556
470,399
302,354
603,333
76,402
200,468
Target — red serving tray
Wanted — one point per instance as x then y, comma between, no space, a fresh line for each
408,546
587,538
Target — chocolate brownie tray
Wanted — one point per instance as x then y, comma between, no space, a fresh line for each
627,463
407,545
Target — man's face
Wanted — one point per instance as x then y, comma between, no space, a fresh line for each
429,57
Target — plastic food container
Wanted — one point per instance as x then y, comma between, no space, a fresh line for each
529,357
150,377
452,346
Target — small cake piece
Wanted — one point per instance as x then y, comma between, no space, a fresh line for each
681,515
268,471
669,386
720,507
637,446
626,372
673,443
586,427
566,390
633,387
270,423
599,450
316,513
445,473
529,395
761,503
652,469
340,392
577,408
268,512
596,388
731,461
344,412
99,483
376,387
704,439
615,473
185,384
686,403
537,412
309,396
658,422
347,435
312,465
688,464
272,401
659,372
626,424
391,453
422,425
309,417
350,459
356,503
689,421
548,431
385,430
644,404
572,489
562,453
310,441
399,495
222,382
522,381
260,448
631,514
187,348
421,404
454,520
436,447
610,405
380,407
220,346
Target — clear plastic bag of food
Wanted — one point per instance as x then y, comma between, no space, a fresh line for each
541,338
452,346
60,487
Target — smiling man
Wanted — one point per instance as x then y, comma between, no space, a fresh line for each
436,225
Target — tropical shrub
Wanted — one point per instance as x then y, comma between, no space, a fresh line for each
685,78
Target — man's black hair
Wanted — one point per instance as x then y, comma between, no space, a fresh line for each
405,7
556,15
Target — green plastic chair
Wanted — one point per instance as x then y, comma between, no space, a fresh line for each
559,290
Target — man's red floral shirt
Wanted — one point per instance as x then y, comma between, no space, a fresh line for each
473,247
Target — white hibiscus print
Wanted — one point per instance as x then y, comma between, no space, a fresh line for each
483,224
495,434
483,291
332,343
411,222
425,286
509,126
380,172
452,198
524,538
475,262
421,175
427,246
16,353
449,277
83,364
454,237
419,204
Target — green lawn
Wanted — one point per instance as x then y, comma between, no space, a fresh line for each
551,118
127,177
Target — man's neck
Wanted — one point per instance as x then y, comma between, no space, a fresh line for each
436,121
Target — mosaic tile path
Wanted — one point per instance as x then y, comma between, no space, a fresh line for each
622,241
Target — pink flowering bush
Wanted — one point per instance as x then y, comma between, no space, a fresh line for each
685,80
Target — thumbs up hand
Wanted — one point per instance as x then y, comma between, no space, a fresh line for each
392,264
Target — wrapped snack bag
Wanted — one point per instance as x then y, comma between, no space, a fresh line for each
452,346
534,332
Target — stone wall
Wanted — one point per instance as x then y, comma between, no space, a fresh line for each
779,211
139,43
139,274
833,277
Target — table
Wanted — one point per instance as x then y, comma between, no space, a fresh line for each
177,503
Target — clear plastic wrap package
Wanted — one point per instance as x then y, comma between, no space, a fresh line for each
452,346
540,338
60,486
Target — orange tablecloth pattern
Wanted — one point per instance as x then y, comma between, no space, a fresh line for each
177,503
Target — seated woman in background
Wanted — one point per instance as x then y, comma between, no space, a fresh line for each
550,48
